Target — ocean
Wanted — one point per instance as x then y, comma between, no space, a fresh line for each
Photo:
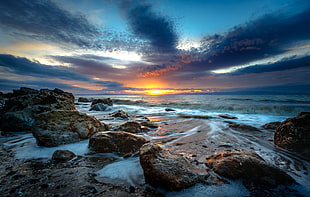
164,110
266,107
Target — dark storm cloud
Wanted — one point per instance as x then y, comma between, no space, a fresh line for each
266,36
153,27
45,20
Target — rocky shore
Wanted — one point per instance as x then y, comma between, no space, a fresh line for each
179,152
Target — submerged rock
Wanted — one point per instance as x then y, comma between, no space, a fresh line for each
120,142
169,109
166,170
120,114
24,104
149,124
85,100
194,116
100,107
272,125
248,166
106,101
294,134
64,127
63,155
242,127
227,116
131,127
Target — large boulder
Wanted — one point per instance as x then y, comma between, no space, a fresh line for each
55,128
294,134
106,101
119,142
167,170
248,166
24,104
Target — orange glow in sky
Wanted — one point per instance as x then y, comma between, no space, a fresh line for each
164,91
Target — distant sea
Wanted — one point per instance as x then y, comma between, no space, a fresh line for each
278,105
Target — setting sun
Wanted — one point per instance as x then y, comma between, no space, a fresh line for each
166,91
158,92
153,91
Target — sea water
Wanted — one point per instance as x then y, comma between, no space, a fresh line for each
278,105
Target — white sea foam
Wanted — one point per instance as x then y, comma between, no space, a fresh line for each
185,134
27,148
127,172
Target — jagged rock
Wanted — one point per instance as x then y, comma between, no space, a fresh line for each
272,125
16,121
24,104
106,101
85,100
64,127
294,134
120,142
2,102
166,170
63,155
248,166
242,127
100,107
131,127
24,91
120,114
227,116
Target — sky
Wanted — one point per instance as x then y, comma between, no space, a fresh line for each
155,46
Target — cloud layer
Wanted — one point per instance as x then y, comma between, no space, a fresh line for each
25,67
270,35
270,46
44,20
